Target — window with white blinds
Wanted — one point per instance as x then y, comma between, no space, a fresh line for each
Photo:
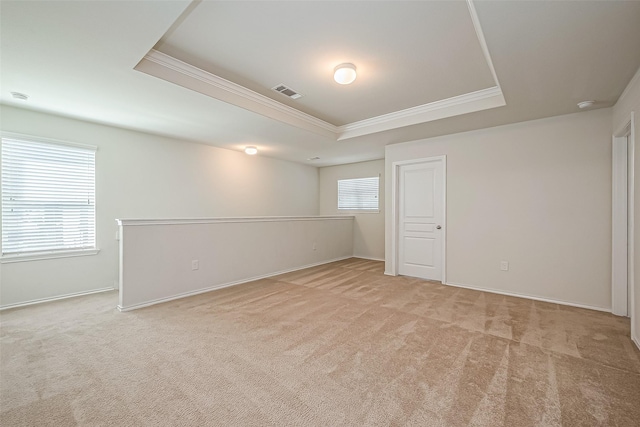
358,193
48,197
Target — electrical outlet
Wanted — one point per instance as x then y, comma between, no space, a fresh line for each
195,264
504,265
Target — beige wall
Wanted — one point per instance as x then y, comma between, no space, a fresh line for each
627,104
368,229
536,194
144,176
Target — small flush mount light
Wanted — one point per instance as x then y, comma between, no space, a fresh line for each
586,104
344,74
251,150
314,158
20,96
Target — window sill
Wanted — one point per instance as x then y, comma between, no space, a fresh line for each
37,256
359,211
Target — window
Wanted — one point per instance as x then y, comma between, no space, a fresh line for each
48,197
358,194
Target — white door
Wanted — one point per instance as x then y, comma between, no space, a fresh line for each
421,219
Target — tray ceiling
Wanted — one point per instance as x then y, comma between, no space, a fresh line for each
416,63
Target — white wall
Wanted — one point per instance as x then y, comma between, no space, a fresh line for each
156,256
368,230
145,176
630,102
536,194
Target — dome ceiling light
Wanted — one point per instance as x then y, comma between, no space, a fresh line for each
251,150
586,104
344,74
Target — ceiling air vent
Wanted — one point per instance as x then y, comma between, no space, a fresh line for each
286,91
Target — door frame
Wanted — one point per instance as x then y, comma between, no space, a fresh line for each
395,206
623,227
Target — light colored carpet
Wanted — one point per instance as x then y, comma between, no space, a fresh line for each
335,345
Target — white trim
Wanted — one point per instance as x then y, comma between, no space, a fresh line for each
31,138
444,219
531,297
179,221
483,99
395,167
224,285
627,129
636,341
482,40
38,256
631,227
619,228
51,299
233,88
156,63
367,258
631,84
217,87
355,212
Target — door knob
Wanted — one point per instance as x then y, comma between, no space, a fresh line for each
438,227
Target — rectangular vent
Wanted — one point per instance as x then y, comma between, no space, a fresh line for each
287,91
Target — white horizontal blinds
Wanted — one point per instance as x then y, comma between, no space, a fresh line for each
358,194
48,197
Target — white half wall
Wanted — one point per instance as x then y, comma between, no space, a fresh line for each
629,103
156,257
145,176
368,228
536,194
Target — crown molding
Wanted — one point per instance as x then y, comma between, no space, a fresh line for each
168,68
173,70
483,99
467,103
482,40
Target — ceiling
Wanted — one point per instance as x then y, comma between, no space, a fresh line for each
203,71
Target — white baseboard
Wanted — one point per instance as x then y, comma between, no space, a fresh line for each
518,295
224,285
43,300
636,341
369,258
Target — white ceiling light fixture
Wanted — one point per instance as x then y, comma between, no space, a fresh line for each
251,150
344,74
586,104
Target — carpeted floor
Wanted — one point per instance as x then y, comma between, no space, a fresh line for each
335,345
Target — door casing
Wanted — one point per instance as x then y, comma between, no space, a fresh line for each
395,204
623,252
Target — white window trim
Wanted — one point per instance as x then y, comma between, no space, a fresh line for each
65,253
357,211
38,256
10,135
